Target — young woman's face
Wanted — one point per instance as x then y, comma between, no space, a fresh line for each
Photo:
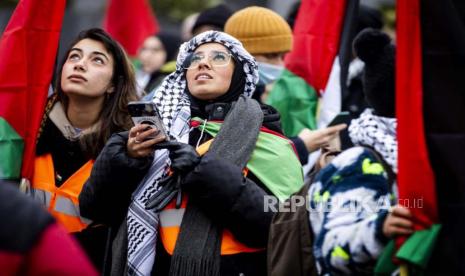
88,70
207,82
152,55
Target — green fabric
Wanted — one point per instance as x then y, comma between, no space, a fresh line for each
418,247
415,251
11,151
384,265
168,67
273,162
296,101
136,63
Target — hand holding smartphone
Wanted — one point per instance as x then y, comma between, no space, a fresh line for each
145,112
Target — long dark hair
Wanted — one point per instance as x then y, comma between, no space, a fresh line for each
114,116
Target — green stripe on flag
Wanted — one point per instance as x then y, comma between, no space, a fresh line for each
418,247
273,162
296,102
384,264
11,151
415,252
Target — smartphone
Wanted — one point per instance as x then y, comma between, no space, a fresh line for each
341,118
145,112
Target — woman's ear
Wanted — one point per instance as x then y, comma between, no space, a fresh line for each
110,90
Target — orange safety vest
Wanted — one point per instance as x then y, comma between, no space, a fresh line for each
62,202
170,225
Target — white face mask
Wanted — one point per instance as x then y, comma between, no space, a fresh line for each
268,73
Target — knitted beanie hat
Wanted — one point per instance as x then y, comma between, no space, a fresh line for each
261,31
214,16
375,49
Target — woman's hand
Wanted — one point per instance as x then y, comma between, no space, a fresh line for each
183,156
316,139
398,222
139,144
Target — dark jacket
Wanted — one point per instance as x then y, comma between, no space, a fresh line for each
67,155
443,57
236,205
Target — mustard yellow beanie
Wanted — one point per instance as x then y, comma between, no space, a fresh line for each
261,30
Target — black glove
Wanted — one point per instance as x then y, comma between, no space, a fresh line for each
214,175
170,187
183,157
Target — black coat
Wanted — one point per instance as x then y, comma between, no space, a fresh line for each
443,54
236,205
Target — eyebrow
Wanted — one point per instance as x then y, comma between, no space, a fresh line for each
212,51
94,52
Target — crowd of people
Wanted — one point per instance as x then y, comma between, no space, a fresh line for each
190,200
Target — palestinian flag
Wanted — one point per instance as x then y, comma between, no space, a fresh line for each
273,161
28,50
431,130
130,22
317,33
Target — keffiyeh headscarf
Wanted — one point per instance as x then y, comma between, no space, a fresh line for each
174,107
170,96
377,132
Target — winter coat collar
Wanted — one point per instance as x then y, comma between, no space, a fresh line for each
58,116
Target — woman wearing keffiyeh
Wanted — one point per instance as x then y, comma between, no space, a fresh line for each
195,205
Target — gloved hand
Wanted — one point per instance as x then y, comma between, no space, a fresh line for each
212,172
170,187
183,157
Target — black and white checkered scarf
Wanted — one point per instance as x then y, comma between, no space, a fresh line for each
174,106
377,132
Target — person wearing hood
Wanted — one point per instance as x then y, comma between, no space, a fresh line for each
198,207
268,37
156,57
360,182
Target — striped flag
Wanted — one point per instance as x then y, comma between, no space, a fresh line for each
416,180
317,34
279,169
28,49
